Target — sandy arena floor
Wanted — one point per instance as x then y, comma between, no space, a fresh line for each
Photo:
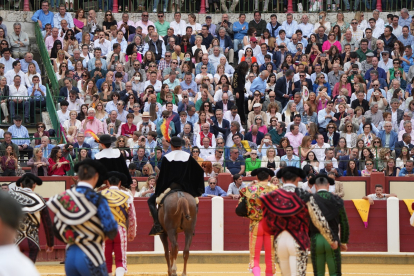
241,269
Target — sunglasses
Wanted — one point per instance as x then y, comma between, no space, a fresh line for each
195,151
109,14
174,62
40,126
145,15
214,183
168,56
220,151
152,65
84,75
368,164
160,16
330,127
119,104
203,67
272,96
185,41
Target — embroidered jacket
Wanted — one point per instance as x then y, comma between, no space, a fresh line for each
83,218
34,208
251,193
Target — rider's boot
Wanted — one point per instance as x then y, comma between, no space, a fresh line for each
156,228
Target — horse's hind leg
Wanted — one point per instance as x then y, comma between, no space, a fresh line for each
164,240
172,235
186,253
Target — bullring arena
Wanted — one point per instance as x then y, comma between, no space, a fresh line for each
220,244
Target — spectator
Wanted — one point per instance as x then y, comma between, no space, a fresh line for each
236,186
212,190
9,162
338,188
81,144
58,165
43,16
295,137
38,163
19,41
45,146
290,159
149,187
378,195
252,163
235,163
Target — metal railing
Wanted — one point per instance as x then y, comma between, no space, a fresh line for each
218,6
51,94
50,72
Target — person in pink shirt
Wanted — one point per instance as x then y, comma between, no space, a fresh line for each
128,128
92,123
50,40
144,23
124,24
294,137
331,42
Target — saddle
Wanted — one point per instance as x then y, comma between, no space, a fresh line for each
175,188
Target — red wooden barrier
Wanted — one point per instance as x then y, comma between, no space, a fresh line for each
406,230
373,238
236,229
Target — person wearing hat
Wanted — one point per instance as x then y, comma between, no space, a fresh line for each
190,178
111,158
122,207
287,214
332,207
250,208
35,211
367,63
257,110
12,261
145,126
84,220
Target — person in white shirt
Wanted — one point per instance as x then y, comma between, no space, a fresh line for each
307,28
379,21
397,29
178,25
319,147
63,113
206,150
12,261
154,82
102,43
16,72
233,117
7,60
385,63
16,90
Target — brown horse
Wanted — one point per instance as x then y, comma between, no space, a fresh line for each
177,214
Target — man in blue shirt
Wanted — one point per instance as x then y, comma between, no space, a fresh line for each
326,115
407,60
290,159
406,38
189,85
43,16
45,146
259,83
19,131
261,57
37,92
235,163
240,31
290,26
212,189
408,170
28,58
404,19
62,15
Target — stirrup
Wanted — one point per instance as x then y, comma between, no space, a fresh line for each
156,230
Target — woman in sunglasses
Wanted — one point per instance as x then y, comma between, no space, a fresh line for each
195,153
109,21
396,66
369,168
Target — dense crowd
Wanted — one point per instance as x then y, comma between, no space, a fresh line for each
326,97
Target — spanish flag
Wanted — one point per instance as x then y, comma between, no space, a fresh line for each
362,205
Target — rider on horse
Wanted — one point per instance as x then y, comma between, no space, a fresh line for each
179,171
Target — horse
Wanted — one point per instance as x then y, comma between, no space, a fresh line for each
177,214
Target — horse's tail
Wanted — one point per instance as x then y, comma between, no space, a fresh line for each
183,208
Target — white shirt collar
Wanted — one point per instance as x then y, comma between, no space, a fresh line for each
84,184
